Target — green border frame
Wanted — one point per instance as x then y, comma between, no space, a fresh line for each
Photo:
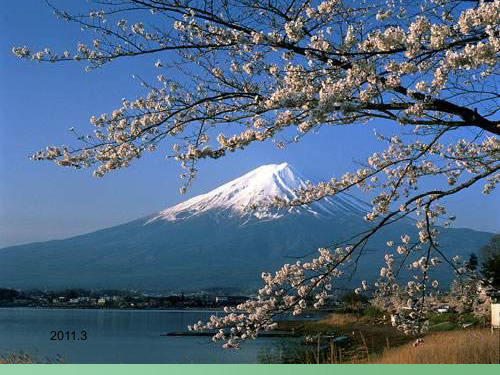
248,369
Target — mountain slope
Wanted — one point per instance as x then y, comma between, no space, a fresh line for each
211,240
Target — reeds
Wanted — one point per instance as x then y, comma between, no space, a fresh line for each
25,358
458,347
341,319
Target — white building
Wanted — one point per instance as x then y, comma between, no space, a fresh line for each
495,314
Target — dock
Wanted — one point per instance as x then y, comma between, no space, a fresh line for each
210,334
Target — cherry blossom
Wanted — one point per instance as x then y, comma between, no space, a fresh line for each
230,74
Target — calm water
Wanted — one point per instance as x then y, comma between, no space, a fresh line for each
117,336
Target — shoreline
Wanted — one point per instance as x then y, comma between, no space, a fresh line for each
317,313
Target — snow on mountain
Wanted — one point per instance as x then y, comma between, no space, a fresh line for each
257,187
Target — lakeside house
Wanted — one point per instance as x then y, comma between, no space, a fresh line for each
495,315
495,310
443,309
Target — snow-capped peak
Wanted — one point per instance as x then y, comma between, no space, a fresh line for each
257,186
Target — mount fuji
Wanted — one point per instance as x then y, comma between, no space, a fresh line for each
256,188
215,240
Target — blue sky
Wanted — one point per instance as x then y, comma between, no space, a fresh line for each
39,102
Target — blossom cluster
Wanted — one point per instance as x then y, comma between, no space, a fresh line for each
323,86
408,304
291,289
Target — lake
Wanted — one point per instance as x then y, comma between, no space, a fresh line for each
117,336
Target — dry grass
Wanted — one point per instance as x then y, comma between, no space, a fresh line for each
20,358
24,359
367,340
341,319
381,343
460,347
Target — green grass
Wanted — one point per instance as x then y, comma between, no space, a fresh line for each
469,318
444,326
441,318
451,321
373,312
